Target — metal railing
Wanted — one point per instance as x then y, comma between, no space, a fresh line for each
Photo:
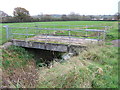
67,31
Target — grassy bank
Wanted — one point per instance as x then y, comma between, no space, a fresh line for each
19,68
96,67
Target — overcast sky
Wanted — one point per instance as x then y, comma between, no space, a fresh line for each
86,7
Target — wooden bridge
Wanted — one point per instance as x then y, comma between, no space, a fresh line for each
55,39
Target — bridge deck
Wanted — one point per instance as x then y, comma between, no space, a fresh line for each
62,40
54,43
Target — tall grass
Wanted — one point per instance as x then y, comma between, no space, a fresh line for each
106,58
19,69
18,58
95,68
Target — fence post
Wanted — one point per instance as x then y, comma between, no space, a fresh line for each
27,31
69,35
98,35
7,31
104,36
86,31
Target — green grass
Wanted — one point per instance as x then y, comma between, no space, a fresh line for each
18,66
78,72
112,33
96,67
18,58
82,71
104,57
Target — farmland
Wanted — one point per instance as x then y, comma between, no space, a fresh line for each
96,67
110,36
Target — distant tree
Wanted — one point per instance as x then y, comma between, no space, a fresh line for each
64,17
21,14
91,17
74,16
46,17
3,16
83,17
117,16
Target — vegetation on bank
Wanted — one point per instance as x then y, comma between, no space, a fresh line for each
96,67
19,68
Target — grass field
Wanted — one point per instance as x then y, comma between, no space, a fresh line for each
96,67
111,35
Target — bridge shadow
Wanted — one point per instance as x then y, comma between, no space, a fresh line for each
44,57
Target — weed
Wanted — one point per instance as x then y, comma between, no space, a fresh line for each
95,67
107,58
18,58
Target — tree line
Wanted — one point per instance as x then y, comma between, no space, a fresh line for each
22,15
